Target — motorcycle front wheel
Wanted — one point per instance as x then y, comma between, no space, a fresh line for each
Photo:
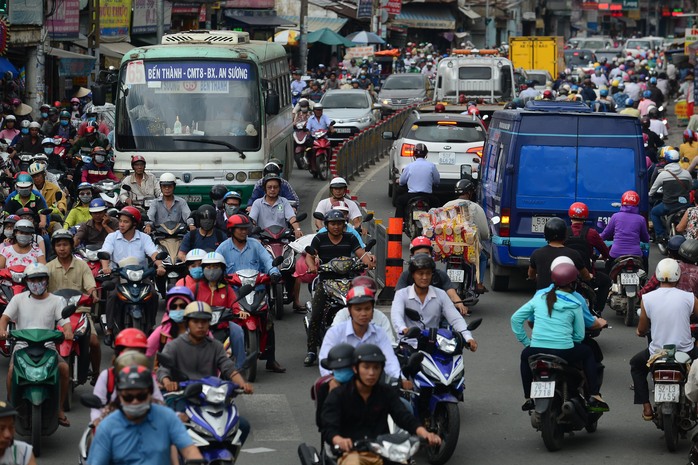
36,429
445,423
252,346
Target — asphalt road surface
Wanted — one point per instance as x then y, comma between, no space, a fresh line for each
493,427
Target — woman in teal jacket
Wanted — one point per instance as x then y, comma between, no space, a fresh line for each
558,330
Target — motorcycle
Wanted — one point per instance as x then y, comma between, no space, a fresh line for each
439,381
168,237
415,207
318,158
300,144
109,192
35,382
674,413
11,283
392,448
88,254
76,352
463,274
24,160
628,276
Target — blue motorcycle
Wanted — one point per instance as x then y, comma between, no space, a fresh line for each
439,382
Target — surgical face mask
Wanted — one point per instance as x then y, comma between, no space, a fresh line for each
213,274
23,239
48,150
136,410
177,315
207,224
231,210
24,191
99,159
37,288
44,115
25,130
7,232
343,375
196,273
64,122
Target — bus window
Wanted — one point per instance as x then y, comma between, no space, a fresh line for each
475,72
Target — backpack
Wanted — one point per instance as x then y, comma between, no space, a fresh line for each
580,244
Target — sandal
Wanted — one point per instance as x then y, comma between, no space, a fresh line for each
63,421
299,309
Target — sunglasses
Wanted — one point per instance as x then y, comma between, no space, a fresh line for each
178,307
140,397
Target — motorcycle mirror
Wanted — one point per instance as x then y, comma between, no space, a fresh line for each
59,196
165,360
367,218
413,314
193,390
244,291
319,216
474,324
277,260
45,211
370,244
126,187
301,217
91,401
161,256
113,212
414,331
104,255
414,363
256,230
68,310
495,220
310,251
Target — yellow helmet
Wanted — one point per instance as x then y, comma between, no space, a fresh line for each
615,83
198,311
663,151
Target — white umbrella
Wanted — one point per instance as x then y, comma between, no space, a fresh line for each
287,37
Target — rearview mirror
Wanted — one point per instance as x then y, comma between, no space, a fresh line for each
370,244
165,360
413,331
272,103
319,216
59,196
474,324
68,310
310,251
104,255
368,218
161,256
126,187
277,260
388,135
413,314
414,363
193,390
301,217
91,401
377,106
495,220
99,94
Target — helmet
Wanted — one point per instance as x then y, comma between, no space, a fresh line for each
647,94
131,338
26,211
630,198
360,294
198,311
60,234
213,258
688,135
206,212
421,261
195,255
36,168
318,106
24,180
52,111
74,100
652,112
578,211
560,260
547,94
25,226
270,168
334,215
97,205
64,114
603,92
24,123
420,242
439,108
668,271
675,242
34,125
12,219
135,377
137,159
365,281
130,357
615,82
84,186
671,156
420,150
303,102
464,185
10,118
132,212
653,80
564,274
217,192
339,356
232,195
555,229
36,270
176,292
689,251
368,353
238,221
338,182
167,179
629,102
47,141
270,177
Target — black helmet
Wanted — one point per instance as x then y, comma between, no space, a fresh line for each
464,185
368,353
217,192
61,234
271,168
206,215
422,261
270,177
339,356
555,230
653,113
420,150
334,215
689,251
135,377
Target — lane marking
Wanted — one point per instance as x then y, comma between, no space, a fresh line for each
258,450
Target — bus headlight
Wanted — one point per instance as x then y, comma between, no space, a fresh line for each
255,175
229,176
241,176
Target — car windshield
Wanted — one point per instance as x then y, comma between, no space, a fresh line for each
594,43
403,82
642,44
446,131
578,57
540,78
609,56
342,100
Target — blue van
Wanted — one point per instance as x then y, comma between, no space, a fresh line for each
540,160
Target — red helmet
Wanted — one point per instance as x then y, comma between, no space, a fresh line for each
548,94
578,211
131,338
137,159
131,212
238,221
360,294
564,274
420,242
439,108
630,198
473,111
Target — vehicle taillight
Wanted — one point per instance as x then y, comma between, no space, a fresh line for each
504,222
407,150
542,368
667,376
476,150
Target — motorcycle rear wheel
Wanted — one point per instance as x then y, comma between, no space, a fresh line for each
550,431
671,430
252,340
36,430
323,168
446,422
279,301
629,319
72,381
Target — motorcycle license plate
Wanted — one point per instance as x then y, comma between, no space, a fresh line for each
630,279
447,158
542,389
457,276
667,392
538,223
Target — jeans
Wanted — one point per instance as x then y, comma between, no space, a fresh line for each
483,267
579,353
318,309
639,372
657,213
237,344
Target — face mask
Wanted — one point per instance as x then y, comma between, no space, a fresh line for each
99,159
343,375
23,239
213,274
24,192
37,288
177,315
85,198
207,224
44,115
231,210
48,150
136,410
196,272
64,122
25,130
7,232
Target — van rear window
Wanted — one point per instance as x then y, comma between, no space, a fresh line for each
547,171
619,161
460,132
475,72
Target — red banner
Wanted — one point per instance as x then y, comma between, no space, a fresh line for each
394,7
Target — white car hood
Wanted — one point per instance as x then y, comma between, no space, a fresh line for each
342,114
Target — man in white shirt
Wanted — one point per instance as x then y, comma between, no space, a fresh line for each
338,193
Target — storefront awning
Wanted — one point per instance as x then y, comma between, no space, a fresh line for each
257,18
346,8
71,63
6,66
116,49
425,17
469,12
315,24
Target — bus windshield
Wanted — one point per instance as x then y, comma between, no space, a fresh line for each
188,106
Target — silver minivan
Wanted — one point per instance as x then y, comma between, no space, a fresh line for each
401,90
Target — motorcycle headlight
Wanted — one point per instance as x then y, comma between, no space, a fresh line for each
215,316
33,373
173,275
387,101
91,255
445,344
216,395
431,371
288,259
134,275
17,277
200,429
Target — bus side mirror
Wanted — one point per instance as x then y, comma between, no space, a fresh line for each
99,94
273,103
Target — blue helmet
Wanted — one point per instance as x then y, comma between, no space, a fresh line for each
653,80
84,185
97,205
232,195
629,102
603,92
647,94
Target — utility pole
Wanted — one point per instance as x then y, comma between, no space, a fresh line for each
303,42
161,20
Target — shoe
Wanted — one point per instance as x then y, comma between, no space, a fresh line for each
596,404
481,289
299,309
310,359
528,405
647,417
274,367
63,421
108,339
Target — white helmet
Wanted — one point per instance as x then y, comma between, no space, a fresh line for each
36,270
341,206
668,271
338,182
47,140
168,178
560,260
671,156
213,257
195,255
36,168
10,118
34,124
25,123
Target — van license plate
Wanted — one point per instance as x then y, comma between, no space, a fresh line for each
447,158
457,276
542,389
630,279
538,223
666,392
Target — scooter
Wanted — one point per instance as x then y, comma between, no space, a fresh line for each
439,381
628,276
318,160
168,237
300,144
11,284
463,274
88,254
415,207
392,448
35,382
109,192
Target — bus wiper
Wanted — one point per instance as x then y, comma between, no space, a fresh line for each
211,141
